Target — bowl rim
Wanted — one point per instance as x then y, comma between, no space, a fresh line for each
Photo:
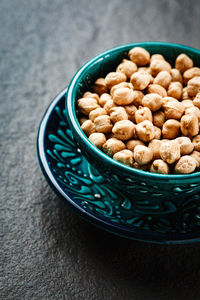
70,105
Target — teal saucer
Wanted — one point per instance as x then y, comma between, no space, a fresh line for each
85,191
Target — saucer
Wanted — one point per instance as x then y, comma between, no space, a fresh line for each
84,190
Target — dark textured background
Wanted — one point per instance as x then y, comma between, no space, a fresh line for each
46,251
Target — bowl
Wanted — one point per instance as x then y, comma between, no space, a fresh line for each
165,199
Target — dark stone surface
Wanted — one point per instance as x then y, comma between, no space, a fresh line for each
46,251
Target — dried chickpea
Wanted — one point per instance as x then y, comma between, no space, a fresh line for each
143,155
193,86
113,146
114,78
187,103
86,105
176,75
152,101
145,131
159,166
186,145
100,86
185,95
157,133
123,96
104,98
124,156
98,139
196,100
189,125
196,142
142,114
158,65
91,95
140,167
158,119
155,145
183,62
127,67
108,105
185,165
88,127
173,109
120,85
82,119
158,89
157,56
140,80
171,129
131,144
96,113
170,151
139,56
124,130
175,90
137,98
144,70
196,156
193,111
103,124
118,114
131,110
190,73
163,79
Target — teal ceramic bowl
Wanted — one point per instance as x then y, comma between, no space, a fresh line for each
165,203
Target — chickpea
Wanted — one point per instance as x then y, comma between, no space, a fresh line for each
173,109
185,165
152,101
159,166
103,124
143,155
114,78
144,70
104,98
186,146
139,56
123,96
131,110
91,95
171,129
158,119
157,57
100,86
82,119
120,85
140,80
196,100
86,105
189,125
163,79
124,130
185,95
175,90
137,98
124,156
131,144
155,145
108,105
193,86
127,67
158,65
176,75
157,133
183,62
88,127
170,151
140,167
196,142
118,114
98,139
196,156
157,89
142,114
145,131
187,104
193,111
113,146
190,73
96,113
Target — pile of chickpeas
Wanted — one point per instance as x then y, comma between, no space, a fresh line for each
146,114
